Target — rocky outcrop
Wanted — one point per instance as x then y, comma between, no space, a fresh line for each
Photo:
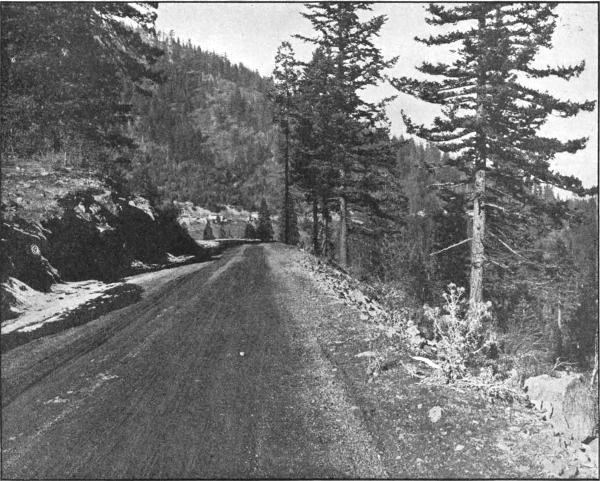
97,235
22,254
84,243
567,402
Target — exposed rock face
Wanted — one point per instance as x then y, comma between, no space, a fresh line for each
98,238
97,235
23,246
84,243
567,402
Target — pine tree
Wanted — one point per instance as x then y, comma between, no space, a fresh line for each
208,232
224,232
491,120
346,43
312,167
288,231
286,78
250,230
264,231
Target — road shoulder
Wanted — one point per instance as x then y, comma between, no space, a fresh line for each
475,437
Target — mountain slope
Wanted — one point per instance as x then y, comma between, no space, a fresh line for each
207,134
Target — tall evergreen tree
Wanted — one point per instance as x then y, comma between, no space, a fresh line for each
313,170
264,230
250,230
286,78
288,232
491,120
346,42
208,232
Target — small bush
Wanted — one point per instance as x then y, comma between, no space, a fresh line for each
526,344
460,333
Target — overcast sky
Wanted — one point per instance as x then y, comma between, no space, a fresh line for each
250,33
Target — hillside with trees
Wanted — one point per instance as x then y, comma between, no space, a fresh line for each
206,135
68,211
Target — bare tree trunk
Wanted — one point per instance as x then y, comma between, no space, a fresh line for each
477,250
325,214
595,371
286,196
315,232
478,223
343,260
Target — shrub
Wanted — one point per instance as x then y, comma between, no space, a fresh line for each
461,333
526,343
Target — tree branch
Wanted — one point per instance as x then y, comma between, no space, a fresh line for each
452,246
509,248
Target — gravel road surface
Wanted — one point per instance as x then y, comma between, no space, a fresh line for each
211,376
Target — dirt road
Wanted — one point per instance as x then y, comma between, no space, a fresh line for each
209,377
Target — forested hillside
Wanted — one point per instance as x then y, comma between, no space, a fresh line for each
207,134
68,210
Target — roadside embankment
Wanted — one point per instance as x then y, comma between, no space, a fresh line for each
423,426
67,240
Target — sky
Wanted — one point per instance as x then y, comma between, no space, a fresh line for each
250,33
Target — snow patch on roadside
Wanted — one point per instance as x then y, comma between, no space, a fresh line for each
208,243
178,259
101,378
35,309
17,294
39,308
56,400
153,280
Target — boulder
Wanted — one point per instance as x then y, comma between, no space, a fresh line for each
568,403
23,246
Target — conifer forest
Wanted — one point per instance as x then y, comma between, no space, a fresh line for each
462,242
